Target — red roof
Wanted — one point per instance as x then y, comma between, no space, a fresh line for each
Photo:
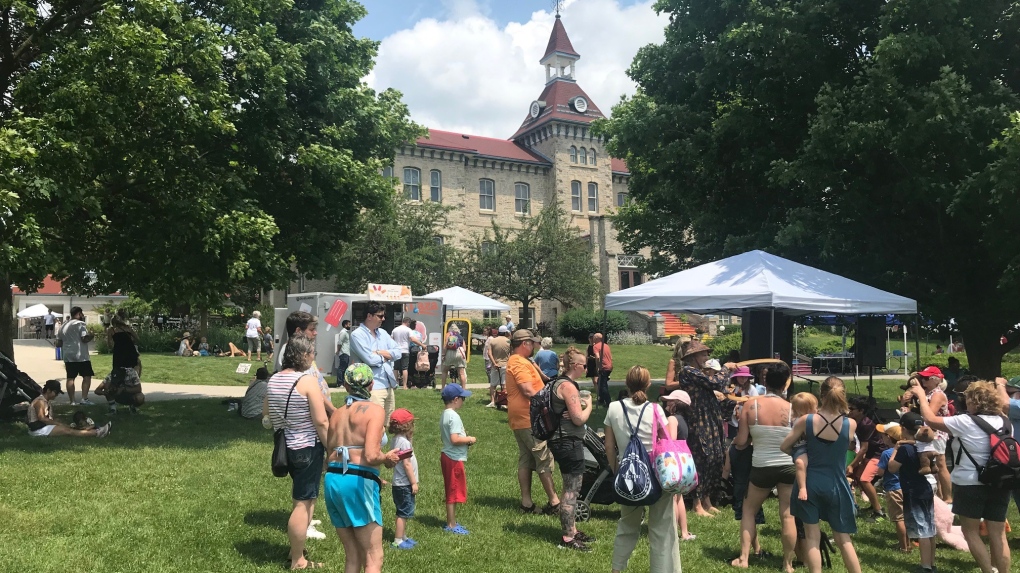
49,286
559,42
482,146
619,165
557,97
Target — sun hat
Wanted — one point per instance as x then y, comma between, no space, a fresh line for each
525,334
454,390
186,334
930,372
359,379
742,372
402,416
678,395
693,347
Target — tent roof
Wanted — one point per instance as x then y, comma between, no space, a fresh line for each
457,298
35,311
758,280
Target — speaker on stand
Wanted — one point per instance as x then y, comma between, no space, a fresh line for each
870,347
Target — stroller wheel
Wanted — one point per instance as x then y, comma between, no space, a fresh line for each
583,511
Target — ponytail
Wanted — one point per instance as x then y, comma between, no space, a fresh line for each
638,382
833,396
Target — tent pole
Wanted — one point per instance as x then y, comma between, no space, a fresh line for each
917,339
772,335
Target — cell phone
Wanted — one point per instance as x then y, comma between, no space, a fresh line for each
404,454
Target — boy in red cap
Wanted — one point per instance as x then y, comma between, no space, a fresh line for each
405,476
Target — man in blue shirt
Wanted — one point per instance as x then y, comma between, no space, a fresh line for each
1013,390
372,345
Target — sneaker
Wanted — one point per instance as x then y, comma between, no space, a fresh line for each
490,405
575,545
583,537
103,431
411,541
86,402
876,517
73,403
403,545
315,522
458,530
313,533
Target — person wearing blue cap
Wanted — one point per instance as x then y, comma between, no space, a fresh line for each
455,448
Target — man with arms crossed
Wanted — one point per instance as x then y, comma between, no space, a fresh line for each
370,344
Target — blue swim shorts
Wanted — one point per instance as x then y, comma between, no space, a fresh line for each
352,498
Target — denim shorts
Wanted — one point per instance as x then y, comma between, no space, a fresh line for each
403,499
919,519
305,467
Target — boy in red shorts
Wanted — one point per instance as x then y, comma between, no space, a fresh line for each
455,448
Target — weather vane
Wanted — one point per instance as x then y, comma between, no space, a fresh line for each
557,4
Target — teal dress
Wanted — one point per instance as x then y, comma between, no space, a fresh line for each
829,497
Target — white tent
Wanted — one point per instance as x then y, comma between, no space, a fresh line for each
36,311
457,298
758,280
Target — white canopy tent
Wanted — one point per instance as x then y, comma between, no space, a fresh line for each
457,298
758,280
36,311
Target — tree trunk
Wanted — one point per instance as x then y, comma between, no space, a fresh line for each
203,321
7,322
984,348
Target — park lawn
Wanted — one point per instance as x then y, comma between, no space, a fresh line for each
185,486
654,357
172,369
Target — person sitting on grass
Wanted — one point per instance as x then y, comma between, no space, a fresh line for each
405,476
454,454
122,386
185,347
203,347
233,351
40,417
250,406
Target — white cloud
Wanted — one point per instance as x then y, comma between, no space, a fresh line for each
464,73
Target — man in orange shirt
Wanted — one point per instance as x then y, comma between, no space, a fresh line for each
605,357
523,380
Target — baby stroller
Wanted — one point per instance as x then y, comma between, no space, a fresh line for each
597,482
425,378
15,387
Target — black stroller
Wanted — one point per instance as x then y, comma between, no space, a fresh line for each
597,482
426,378
15,387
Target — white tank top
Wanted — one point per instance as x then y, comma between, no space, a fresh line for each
766,440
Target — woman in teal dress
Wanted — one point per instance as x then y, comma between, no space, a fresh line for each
829,497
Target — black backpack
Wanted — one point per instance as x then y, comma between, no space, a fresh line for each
1002,470
544,419
636,483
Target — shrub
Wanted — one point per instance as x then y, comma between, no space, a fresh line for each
152,339
630,337
722,345
578,323
478,325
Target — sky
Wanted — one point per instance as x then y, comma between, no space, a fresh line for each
471,66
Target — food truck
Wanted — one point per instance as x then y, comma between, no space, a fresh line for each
333,308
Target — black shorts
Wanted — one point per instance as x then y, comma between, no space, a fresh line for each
305,467
76,369
770,477
569,454
401,365
981,502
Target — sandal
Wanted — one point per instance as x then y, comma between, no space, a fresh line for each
549,509
526,509
309,565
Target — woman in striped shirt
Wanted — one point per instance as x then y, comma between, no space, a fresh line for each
295,403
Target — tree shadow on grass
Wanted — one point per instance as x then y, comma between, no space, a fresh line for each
264,552
538,531
274,518
430,521
502,503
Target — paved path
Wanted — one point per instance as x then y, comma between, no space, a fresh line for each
37,358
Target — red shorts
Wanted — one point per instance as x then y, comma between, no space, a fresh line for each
867,472
454,480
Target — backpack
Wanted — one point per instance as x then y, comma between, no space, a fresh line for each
421,363
635,482
452,341
544,419
1002,470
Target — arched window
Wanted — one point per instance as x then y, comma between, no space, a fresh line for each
487,194
436,185
522,198
412,183
591,156
573,154
583,157
575,196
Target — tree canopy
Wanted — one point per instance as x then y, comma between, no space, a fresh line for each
876,139
179,149
544,258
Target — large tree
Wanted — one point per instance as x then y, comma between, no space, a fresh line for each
542,258
869,138
181,149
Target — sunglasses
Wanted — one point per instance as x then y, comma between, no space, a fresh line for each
383,316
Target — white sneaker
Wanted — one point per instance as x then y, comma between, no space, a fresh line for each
315,522
313,533
490,405
103,431
73,403
86,402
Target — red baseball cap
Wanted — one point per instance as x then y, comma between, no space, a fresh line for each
930,372
402,416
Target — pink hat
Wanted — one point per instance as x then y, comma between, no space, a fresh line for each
742,372
680,395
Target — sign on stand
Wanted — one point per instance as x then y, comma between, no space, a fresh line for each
243,368
389,293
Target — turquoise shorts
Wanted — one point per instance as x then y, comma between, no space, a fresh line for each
352,499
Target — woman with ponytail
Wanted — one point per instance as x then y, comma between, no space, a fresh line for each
828,435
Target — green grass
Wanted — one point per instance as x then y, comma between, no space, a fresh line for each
654,357
171,369
185,486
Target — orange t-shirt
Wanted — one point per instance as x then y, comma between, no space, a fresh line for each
520,372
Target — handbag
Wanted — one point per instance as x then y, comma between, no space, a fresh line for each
672,460
279,462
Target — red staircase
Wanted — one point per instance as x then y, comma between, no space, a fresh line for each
675,326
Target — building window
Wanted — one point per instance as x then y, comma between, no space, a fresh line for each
575,196
724,319
387,172
629,278
522,198
529,317
412,183
573,154
490,315
593,197
583,157
621,199
487,194
438,240
436,185
591,156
